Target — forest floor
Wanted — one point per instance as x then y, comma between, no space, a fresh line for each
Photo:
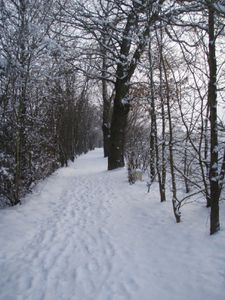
86,234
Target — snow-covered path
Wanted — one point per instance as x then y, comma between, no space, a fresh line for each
86,234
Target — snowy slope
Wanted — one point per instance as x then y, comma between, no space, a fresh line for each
86,234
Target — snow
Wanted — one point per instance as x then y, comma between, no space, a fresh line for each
86,234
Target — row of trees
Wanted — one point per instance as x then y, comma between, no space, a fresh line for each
181,97
47,114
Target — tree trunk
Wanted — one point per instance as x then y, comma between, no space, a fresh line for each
186,171
106,100
175,202
118,126
152,151
161,169
212,102
163,147
153,117
105,118
106,135
125,70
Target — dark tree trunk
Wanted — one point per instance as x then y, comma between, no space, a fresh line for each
206,156
163,147
121,104
153,133
125,70
212,102
105,118
161,163
186,171
118,126
152,149
106,100
106,135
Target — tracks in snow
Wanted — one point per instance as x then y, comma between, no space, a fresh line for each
85,234
71,255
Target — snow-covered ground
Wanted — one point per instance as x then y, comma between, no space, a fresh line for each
86,234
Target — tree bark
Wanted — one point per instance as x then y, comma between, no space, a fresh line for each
161,164
212,102
153,133
105,118
105,98
118,126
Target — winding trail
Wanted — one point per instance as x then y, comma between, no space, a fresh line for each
85,234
